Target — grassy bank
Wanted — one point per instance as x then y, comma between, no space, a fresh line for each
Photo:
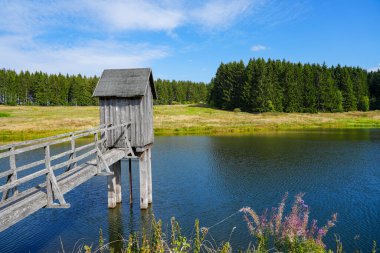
29,122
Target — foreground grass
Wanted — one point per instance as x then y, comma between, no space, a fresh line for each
30,122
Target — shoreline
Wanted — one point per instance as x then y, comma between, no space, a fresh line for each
33,122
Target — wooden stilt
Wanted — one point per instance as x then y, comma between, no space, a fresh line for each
150,195
114,185
143,168
117,172
130,182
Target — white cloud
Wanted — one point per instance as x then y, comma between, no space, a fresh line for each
143,15
90,58
168,15
32,17
275,12
123,15
85,35
101,15
136,14
221,13
256,48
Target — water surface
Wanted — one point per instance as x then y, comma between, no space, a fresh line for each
211,178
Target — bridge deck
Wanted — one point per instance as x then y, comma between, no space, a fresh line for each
34,199
60,173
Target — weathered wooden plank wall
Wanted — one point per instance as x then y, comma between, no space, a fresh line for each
137,110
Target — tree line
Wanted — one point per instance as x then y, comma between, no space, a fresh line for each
180,92
260,86
374,89
26,88
39,88
281,86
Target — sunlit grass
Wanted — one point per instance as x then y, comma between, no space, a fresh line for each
183,119
4,114
30,122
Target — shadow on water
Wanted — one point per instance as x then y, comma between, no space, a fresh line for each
146,218
116,228
118,232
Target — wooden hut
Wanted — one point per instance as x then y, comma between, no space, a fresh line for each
126,95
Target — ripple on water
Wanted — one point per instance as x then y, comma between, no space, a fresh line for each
212,177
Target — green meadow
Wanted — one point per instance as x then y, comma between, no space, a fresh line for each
30,122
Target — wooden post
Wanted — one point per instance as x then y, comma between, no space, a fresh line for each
149,164
130,182
114,185
98,166
117,174
49,188
12,177
143,168
73,154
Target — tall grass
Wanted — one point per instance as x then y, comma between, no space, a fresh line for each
276,231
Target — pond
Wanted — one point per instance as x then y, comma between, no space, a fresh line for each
211,177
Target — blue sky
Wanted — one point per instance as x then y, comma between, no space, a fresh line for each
185,40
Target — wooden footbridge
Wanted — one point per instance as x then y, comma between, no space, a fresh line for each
125,132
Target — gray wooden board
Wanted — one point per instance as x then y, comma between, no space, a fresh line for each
22,207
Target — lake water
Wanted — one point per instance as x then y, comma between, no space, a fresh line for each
211,178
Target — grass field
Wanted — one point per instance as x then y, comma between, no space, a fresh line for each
30,122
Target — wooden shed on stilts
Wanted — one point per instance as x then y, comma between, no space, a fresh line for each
126,95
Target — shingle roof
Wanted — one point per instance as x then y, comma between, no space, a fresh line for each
125,83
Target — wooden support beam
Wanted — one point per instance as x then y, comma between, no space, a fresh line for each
130,182
117,173
143,168
114,185
149,164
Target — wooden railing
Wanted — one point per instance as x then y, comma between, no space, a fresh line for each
50,163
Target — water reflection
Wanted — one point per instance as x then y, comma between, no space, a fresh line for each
116,228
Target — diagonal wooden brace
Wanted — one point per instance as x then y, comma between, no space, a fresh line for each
127,145
52,189
54,192
100,159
